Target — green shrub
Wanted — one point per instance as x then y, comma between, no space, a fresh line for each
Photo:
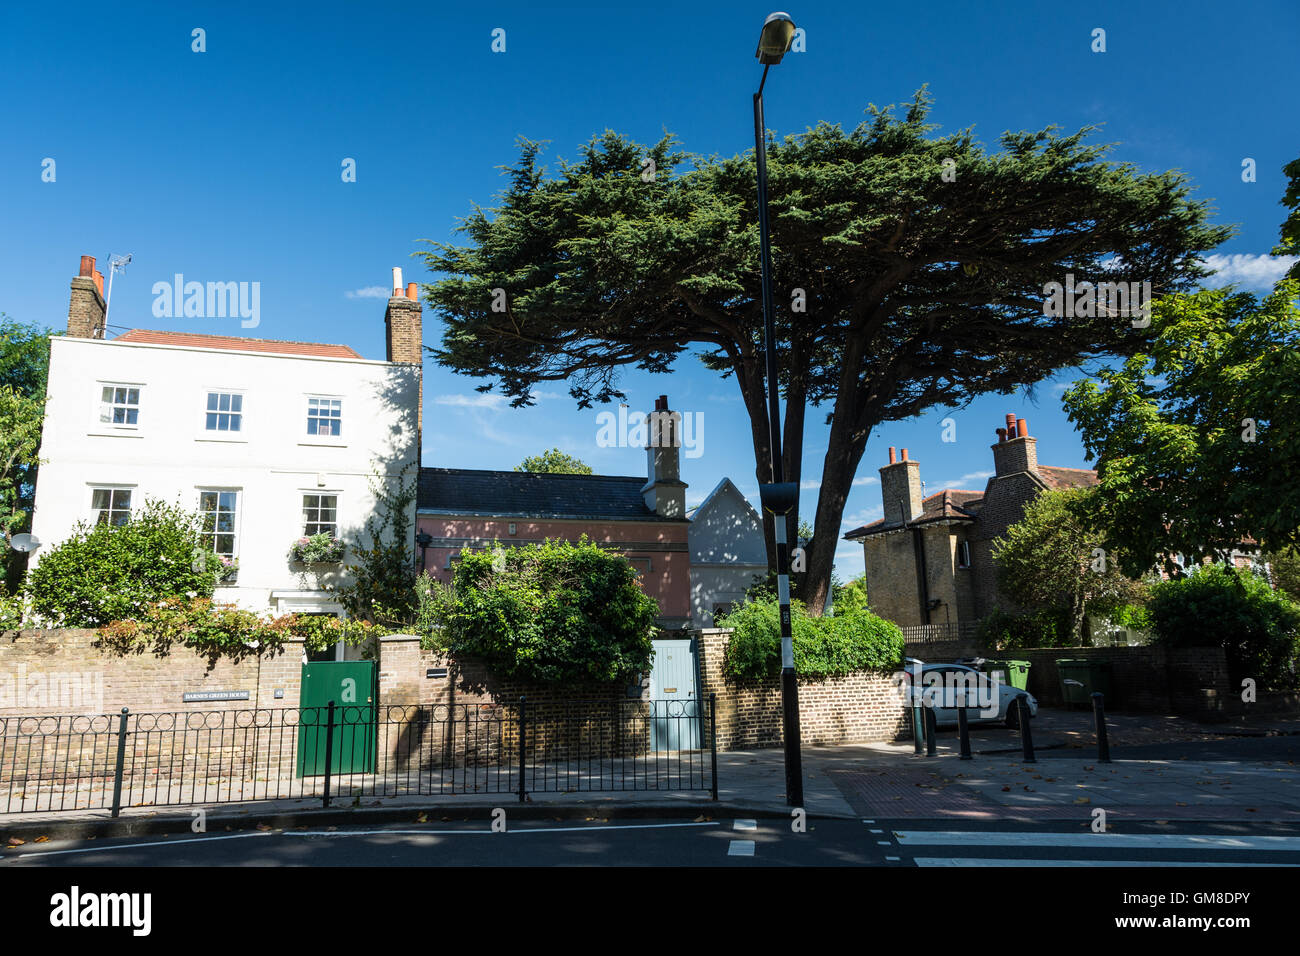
218,630
851,598
1136,616
109,572
847,643
382,585
557,611
12,612
1258,628
1009,632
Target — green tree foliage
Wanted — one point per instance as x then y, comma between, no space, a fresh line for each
823,646
24,370
1290,244
554,462
1258,628
382,585
1006,631
1052,559
852,597
1197,438
104,573
916,289
558,611
1285,566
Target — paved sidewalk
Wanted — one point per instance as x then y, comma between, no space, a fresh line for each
848,780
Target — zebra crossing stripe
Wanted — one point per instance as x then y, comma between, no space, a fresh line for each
741,848
1126,841
986,861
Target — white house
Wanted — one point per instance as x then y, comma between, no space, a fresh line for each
266,440
727,551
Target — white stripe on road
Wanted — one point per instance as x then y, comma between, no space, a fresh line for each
741,848
1128,841
343,833
745,825
985,861
629,826
135,846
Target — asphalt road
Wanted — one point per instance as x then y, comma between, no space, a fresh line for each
720,842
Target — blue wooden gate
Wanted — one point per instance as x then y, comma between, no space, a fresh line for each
675,713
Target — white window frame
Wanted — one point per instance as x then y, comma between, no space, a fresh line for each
320,493
318,439
216,434
110,488
239,514
100,405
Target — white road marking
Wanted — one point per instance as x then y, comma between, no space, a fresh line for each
741,848
745,825
985,861
134,846
1154,841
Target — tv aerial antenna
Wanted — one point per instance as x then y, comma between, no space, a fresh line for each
115,264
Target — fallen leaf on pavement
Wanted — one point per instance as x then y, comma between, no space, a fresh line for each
14,841
41,839
1005,789
1082,800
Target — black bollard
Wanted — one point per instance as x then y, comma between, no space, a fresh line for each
1099,716
963,730
918,732
1026,735
931,732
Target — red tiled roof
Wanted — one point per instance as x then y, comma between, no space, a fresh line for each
203,341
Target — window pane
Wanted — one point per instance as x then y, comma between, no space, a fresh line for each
133,396
311,426
234,422
228,501
223,402
207,501
212,421
212,401
236,403
100,498
131,416
122,498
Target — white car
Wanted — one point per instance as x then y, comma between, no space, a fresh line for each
949,684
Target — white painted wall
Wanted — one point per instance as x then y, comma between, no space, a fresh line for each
272,462
727,551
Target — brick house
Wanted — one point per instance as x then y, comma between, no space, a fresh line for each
642,518
929,559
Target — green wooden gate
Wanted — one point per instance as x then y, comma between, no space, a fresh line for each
351,685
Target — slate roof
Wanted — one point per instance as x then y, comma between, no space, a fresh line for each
203,341
526,494
950,504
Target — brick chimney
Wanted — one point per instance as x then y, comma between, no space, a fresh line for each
900,489
404,334
1015,451
86,307
664,491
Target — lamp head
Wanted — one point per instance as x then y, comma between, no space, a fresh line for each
774,41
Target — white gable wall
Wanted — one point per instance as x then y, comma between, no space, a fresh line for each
727,551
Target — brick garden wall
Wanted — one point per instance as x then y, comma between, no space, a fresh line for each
860,707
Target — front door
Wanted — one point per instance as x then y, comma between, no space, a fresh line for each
675,713
351,685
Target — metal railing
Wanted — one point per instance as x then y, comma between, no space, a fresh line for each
52,763
932,633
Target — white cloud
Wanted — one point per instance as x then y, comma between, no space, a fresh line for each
1254,272
865,480
808,484
472,401
965,479
369,292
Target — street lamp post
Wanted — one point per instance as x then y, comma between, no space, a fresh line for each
779,496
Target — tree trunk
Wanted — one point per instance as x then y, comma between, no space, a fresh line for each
843,455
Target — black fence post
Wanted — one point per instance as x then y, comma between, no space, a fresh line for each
121,760
1099,717
931,731
523,744
713,739
1026,735
329,748
963,730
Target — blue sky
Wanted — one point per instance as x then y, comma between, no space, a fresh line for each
225,165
